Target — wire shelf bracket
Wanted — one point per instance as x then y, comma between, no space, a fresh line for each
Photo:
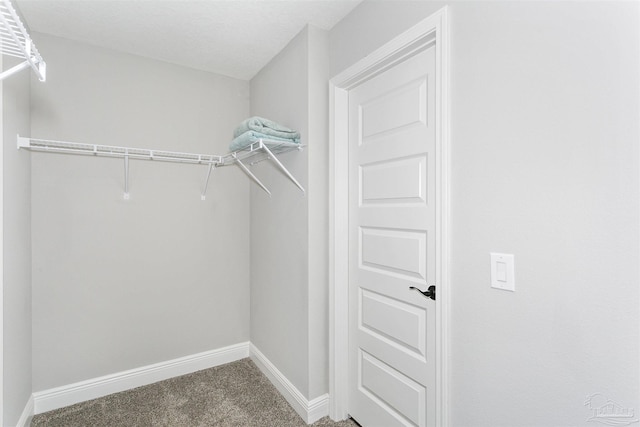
255,153
260,151
249,173
15,41
203,196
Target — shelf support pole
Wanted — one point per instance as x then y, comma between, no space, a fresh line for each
14,69
249,174
126,175
281,166
203,196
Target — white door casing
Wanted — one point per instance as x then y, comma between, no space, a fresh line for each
429,35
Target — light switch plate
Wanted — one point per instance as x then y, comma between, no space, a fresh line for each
502,272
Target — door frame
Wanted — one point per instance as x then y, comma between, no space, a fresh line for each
430,31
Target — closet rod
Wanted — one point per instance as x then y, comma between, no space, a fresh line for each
52,146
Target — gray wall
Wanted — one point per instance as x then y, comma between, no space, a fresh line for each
279,242
544,140
318,217
122,284
16,251
288,240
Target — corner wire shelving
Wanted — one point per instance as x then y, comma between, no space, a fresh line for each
15,41
260,151
263,149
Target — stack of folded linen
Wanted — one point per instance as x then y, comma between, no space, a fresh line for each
254,129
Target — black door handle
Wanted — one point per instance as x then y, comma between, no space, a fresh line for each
429,293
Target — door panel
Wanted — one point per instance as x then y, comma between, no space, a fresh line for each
395,110
401,396
398,181
403,324
392,246
397,251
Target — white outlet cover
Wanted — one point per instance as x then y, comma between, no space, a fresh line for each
502,271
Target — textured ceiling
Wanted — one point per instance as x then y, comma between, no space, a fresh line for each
231,37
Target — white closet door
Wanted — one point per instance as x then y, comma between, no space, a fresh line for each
392,246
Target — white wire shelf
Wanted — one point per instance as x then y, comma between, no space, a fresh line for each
52,146
256,152
15,41
261,150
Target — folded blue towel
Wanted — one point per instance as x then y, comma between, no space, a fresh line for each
250,137
267,127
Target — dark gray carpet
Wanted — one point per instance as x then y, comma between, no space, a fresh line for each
232,395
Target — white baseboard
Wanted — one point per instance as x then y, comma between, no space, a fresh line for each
27,414
59,397
310,411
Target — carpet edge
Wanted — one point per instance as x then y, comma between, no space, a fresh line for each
59,397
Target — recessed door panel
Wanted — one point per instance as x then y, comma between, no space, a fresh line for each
401,396
394,251
399,108
396,321
397,181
